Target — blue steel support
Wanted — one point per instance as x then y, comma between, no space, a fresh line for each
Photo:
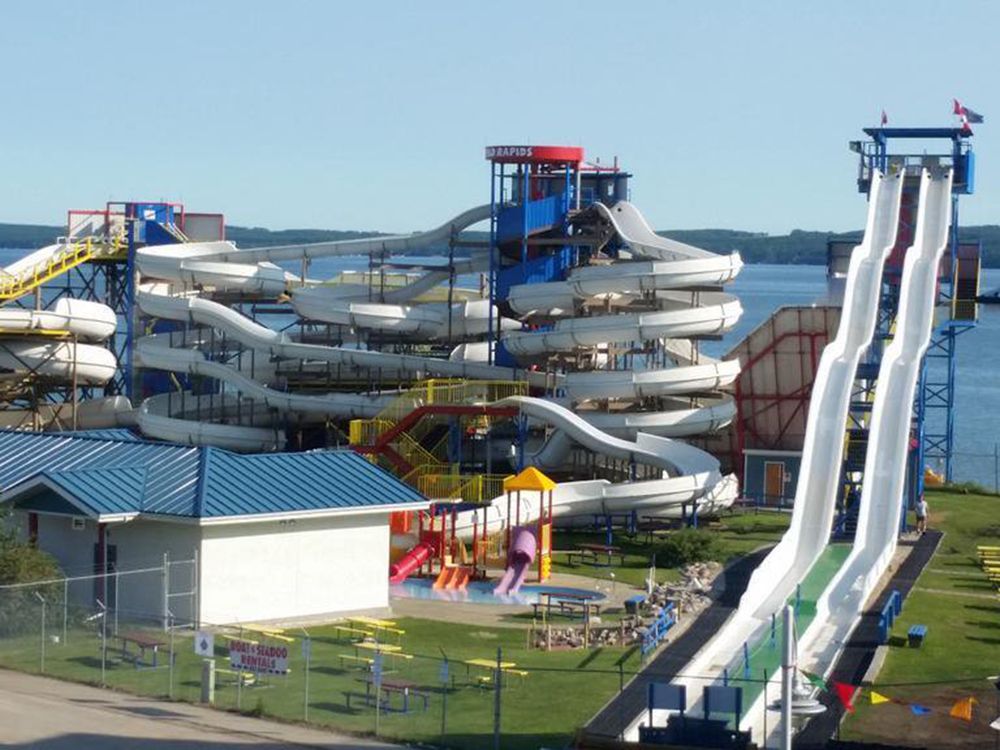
130,316
490,342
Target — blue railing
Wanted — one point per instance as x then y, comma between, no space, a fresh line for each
658,629
515,222
888,615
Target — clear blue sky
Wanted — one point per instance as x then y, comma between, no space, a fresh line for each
373,115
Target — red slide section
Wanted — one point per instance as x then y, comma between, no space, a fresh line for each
400,570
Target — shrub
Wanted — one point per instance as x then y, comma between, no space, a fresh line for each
688,546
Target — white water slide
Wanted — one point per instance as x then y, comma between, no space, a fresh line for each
881,504
674,266
787,564
40,342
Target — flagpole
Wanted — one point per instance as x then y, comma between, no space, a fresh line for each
787,675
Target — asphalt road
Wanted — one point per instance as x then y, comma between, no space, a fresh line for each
44,714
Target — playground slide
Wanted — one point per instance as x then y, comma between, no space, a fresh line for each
409,563
523,548
775,578
885,462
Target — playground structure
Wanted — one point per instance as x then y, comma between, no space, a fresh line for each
565,339
908,284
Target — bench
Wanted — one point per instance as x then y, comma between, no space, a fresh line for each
916,634
633,603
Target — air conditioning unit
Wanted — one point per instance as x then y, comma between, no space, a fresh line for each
78,524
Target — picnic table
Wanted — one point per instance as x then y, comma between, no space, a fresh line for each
373,623
490,665
568,602
405,690
143,642
390,649
592,552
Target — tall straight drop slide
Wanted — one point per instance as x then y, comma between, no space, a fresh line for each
822,453
889,435
788,563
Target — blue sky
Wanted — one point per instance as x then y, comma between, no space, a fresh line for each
374,115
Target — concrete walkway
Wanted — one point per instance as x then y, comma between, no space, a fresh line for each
45,714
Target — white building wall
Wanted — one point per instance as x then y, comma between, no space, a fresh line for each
141,545
72,549
303,568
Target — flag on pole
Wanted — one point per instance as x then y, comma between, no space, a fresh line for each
963,709
919,710
973,117
885,118
845,693
877,698
957,107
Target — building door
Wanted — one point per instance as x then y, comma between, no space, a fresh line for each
774,482
104,586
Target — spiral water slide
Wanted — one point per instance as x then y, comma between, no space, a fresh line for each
688,473
791,560
62,343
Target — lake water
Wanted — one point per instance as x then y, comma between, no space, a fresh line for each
763,288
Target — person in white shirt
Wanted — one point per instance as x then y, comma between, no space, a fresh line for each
922,509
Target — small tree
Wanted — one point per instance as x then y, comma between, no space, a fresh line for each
21,562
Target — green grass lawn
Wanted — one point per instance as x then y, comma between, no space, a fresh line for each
562,690
960,608
737,534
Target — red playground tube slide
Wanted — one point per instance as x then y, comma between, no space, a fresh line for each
403,568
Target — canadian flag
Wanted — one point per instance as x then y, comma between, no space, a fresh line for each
966,116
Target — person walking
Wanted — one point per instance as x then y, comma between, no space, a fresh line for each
922,509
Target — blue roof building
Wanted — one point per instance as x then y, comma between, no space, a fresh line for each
264,537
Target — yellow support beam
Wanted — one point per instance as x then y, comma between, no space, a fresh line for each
71,256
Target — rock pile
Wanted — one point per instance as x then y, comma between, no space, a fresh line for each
692,593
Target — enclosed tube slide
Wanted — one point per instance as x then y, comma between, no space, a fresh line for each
522,553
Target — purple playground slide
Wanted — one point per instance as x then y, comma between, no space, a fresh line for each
519,559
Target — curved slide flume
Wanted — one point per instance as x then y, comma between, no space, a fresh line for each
775,578
31,342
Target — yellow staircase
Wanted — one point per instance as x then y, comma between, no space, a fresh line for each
67,258
432,476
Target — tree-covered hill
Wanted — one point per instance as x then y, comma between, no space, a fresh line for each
798,247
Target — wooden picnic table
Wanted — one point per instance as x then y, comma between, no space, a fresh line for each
143,641
402,688
567,600
593,551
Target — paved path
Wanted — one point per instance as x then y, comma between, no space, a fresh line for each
45,714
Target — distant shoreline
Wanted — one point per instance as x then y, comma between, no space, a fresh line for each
799,247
